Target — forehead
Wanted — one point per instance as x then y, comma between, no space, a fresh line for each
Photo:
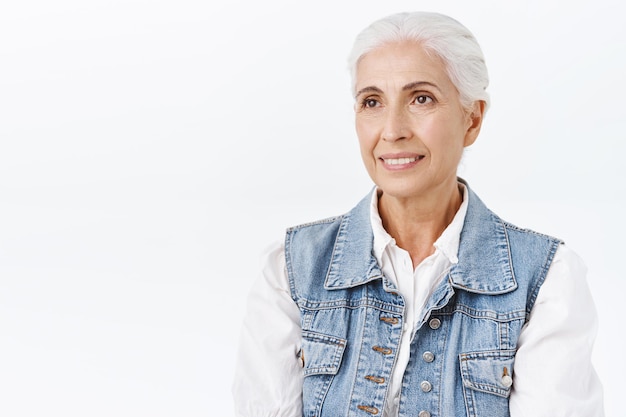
402,62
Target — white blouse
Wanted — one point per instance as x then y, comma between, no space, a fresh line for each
553,377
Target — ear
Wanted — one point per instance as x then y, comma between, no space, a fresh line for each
474,122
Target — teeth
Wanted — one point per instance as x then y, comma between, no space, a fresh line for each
400,161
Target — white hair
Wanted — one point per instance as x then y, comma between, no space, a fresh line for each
441,35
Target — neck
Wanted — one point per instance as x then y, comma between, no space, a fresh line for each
417,222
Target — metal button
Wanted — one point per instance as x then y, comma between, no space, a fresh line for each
376,379
428,356
384,351
434,323
426,386
507,381
368,409
423,414
389,320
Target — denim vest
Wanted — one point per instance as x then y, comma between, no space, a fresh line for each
463,352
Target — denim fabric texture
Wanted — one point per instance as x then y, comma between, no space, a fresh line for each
463,351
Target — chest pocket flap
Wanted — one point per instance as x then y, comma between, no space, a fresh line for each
490,371
321,354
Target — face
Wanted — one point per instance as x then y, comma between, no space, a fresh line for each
410,122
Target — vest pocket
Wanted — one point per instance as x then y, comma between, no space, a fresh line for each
487,380
321,354
320,357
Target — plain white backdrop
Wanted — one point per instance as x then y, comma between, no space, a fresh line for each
150,150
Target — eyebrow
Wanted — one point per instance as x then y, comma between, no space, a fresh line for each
409,86
417,84
370,89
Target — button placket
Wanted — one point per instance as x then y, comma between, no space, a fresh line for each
391,321
428,357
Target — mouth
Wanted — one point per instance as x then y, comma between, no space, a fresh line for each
399,161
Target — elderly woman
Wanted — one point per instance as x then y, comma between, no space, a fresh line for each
420,301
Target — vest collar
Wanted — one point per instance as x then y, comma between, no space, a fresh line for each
484,255
353,245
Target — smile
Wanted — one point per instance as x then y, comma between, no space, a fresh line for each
399,161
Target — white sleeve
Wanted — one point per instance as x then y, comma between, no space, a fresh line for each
268,376
553,374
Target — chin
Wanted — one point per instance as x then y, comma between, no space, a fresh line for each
401,190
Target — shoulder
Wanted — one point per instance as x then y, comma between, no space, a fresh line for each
492,247
481,224
326,230
309,246
487,235
568,271
312,233
316,224
525,243
514,229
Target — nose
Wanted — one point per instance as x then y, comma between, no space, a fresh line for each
396,125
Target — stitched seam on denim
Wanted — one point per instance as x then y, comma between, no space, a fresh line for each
503,329
305,304
307,317
338,346
485,314
468,397
487,354
534,289
360,354
490,389
314,223
510,256
486,387
530,231
440,365
289,267
355,284
336,251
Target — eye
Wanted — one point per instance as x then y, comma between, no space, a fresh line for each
369,103
423,99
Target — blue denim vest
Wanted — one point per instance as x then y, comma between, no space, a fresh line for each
463,352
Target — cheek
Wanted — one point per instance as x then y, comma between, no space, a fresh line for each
367,139
367,151
443,135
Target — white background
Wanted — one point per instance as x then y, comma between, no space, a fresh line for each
150,150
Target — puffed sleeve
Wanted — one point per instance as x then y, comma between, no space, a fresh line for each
268,376
553,373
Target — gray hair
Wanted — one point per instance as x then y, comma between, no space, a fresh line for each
438,34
